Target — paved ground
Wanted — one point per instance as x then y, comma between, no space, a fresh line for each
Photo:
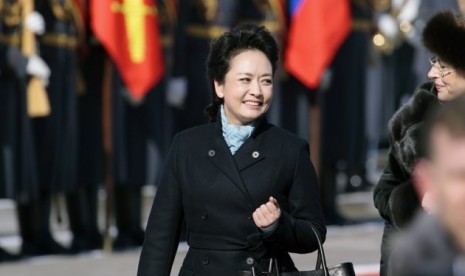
357,243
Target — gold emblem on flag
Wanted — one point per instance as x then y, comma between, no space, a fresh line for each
134,12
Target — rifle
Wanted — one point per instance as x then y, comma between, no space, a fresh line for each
38,104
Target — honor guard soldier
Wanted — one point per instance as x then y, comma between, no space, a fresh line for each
139,127
199,22
82,202
343,150
23,76
16,69
55,136
162,130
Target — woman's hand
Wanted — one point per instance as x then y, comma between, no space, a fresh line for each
267,214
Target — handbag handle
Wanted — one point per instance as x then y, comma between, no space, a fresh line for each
321,259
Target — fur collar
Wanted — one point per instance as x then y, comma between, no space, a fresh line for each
406,126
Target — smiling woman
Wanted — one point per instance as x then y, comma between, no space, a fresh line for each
246,189
248,87
394,195
444,36
242,68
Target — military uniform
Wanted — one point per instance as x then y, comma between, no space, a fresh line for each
15,128
343,151
17,155
55,136
137,127
200,21
21,175
82,202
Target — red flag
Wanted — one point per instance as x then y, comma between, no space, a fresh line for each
318,28
128,29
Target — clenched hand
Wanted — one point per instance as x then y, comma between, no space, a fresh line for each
267,214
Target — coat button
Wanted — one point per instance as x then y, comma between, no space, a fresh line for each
211,153
205,216
250,261
255,154
249,217
205,261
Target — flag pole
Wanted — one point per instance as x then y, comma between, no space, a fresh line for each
108,151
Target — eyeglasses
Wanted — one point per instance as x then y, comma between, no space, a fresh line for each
443,70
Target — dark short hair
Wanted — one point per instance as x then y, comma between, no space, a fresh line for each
450,116
227,46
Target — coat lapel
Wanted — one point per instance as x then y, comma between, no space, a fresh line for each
249,154
222,158
252,151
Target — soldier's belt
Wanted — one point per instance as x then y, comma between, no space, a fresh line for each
362,25
205,31
11,39
59,40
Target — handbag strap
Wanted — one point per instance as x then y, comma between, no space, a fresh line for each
320,262
321,259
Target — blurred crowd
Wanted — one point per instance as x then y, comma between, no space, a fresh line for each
86,131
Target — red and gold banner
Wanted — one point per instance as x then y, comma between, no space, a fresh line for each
129,31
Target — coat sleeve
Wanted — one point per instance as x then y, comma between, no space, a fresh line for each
293,233
164,223
395,196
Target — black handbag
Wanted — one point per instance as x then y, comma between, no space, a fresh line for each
321,269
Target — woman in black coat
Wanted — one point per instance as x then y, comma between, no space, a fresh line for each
395,195
247,189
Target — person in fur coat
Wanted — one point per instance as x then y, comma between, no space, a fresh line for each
394,195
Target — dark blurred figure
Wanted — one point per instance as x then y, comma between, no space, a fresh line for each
55,136
18,174
435,243
138,125
33,147
82,202
294,97
343,147
199,22
394,195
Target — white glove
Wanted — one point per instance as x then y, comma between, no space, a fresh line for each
36,66
388,25
410,11
176,92
35,22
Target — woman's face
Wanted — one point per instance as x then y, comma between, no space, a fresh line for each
248,87
448,82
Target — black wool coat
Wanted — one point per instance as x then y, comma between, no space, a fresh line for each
217,192
394,195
